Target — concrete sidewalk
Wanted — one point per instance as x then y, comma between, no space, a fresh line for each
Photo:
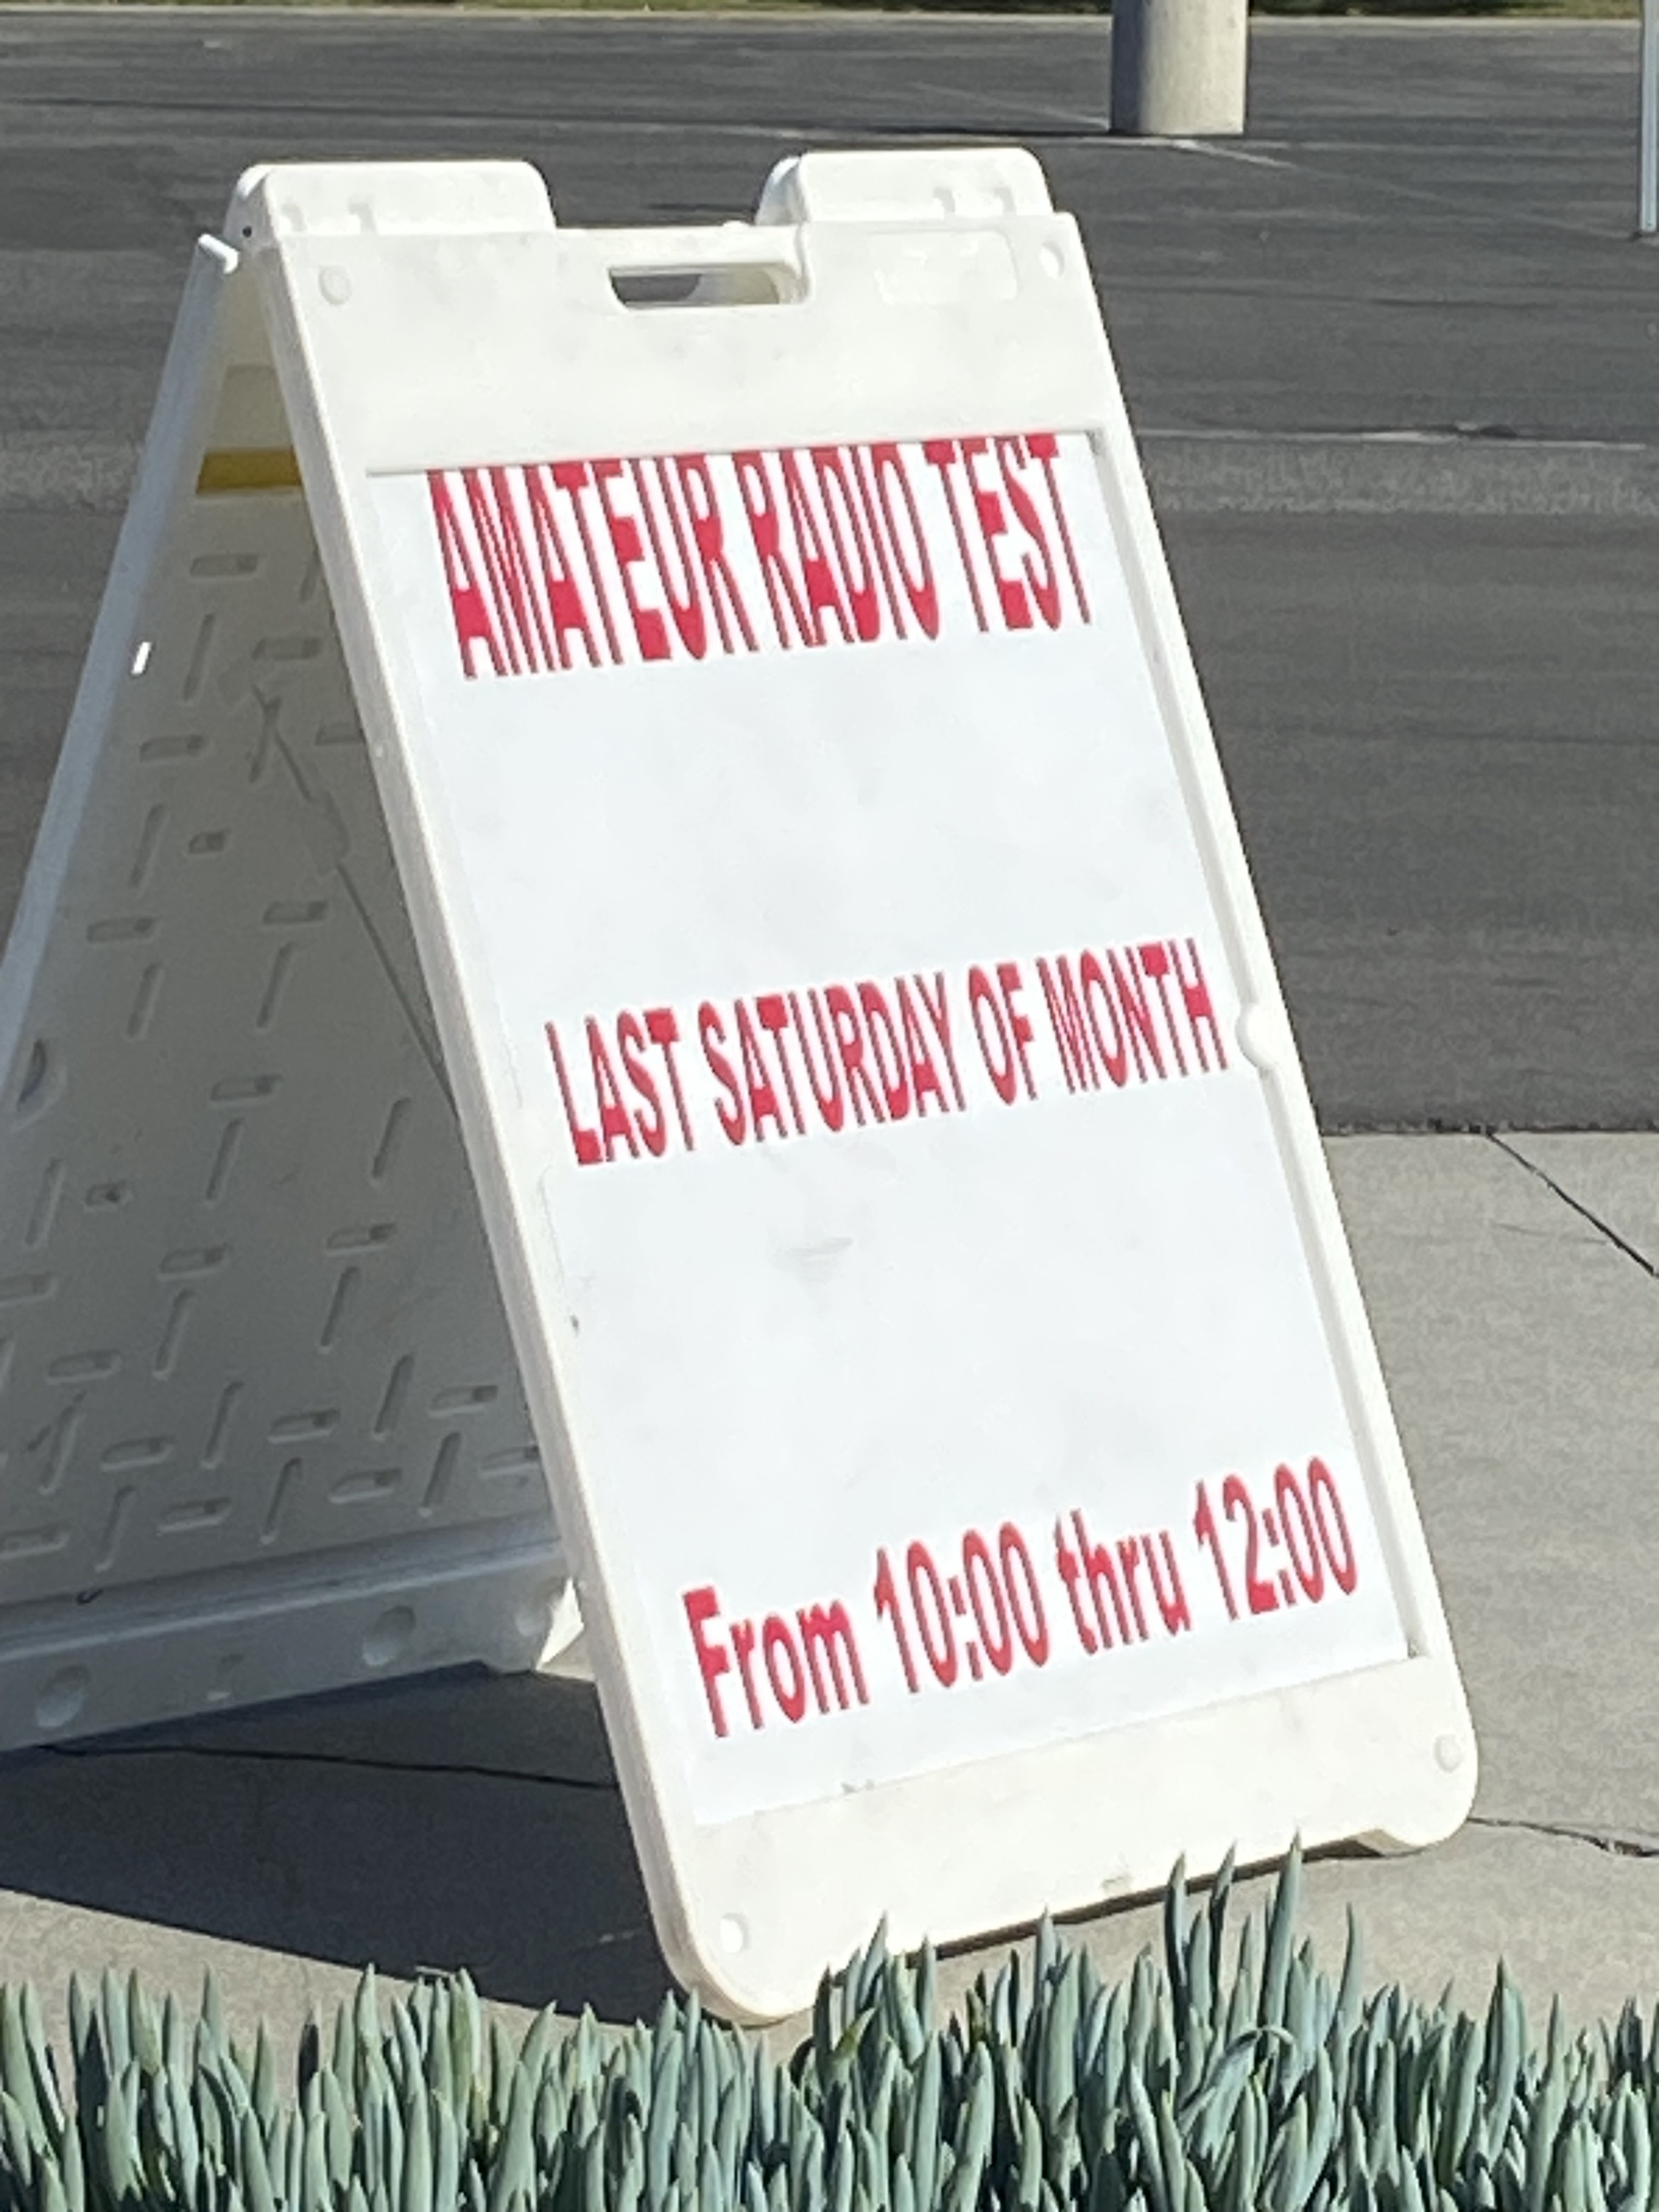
1514,1287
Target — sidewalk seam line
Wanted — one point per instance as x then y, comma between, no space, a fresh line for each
91,1753
1631,1252
1610,1841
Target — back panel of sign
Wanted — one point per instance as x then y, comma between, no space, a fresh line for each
918,1248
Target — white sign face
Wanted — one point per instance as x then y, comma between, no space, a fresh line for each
951,1377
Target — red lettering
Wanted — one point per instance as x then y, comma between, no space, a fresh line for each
832,1654
778,1647
496,524
1045,447
1196,997
571,477
756,493
775,1018
924,1076
1131,994
863,601
855,553
1071,1573
584,1141
467,606
650,631
630,1042
1097,999
1128,1558
849,1041
1067,1021
890,1064
1101,1575
684,605
732,1119
1012,984
616,1122
1155,962
763,1099
566,609
708,535
877,537
1171,1600
742,1643
701,1605
664,1032
982,998
1044,589
942,454
987,510
917,573
939,1013
827,1096
818,578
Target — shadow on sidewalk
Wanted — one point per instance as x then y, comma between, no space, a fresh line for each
463,1820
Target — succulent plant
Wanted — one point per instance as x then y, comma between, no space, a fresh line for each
1222,2078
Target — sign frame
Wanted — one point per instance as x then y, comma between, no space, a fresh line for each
751,1909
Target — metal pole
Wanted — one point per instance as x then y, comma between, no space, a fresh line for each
1179,67
1647,216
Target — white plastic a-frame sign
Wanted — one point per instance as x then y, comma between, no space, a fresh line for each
784,959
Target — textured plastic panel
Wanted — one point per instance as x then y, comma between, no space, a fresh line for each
253,1363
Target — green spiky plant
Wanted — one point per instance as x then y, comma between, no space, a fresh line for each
1231,2079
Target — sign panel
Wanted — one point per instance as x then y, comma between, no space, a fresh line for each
947,1344
926,1279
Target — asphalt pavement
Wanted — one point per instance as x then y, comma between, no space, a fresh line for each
1392,360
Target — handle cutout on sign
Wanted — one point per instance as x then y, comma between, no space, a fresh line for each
722,284
37,1088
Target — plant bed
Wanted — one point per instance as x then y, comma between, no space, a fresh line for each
1230,2076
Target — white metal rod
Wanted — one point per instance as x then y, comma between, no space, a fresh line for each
1647,219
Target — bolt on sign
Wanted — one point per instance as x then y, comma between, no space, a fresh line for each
640,907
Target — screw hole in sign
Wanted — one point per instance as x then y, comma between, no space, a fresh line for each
722,284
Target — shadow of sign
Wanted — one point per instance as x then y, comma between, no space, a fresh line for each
461,1822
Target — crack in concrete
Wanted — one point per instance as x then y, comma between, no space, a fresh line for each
1648,1267
1615,1844
94,1752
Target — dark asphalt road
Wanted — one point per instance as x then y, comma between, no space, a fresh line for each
1432,665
